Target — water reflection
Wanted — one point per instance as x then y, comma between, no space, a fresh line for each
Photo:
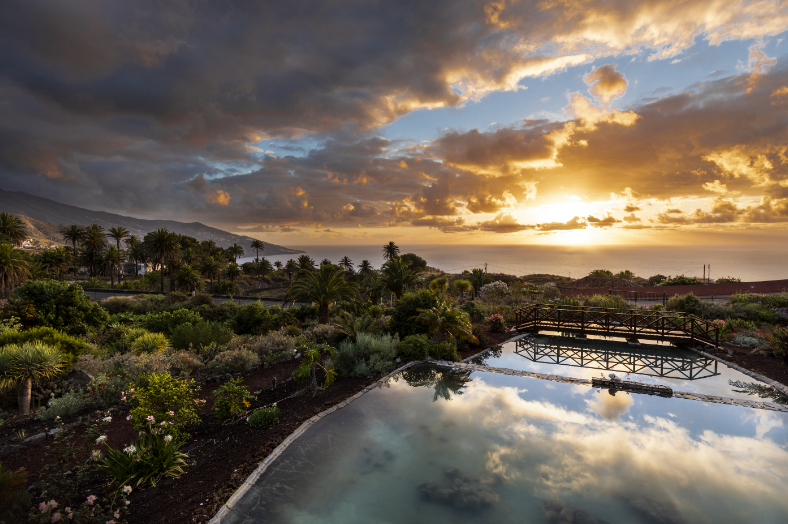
444,381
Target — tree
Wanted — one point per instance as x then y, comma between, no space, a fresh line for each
13,228
627,274
188,279
390,251
92,246
278,265
55,260
346,263
14,267
137,253
26,364
477,279
445,320
162,246
397,277
235,251
365,268
118,233
113,261
232,272
602,273
439,284
325,262
413,261
210,267
462,286
60,305
291,267
305,262
258,246
73,234
322,287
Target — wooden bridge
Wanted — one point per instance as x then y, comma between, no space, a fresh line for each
632,325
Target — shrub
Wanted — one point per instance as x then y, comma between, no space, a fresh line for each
605,301
14,498
60,306
165,402
231,399
688,303
601,273
69,346
264,417
200,299
184,362
320,333
304,313
446,350
105,391
200,334
310,363
778,341
550,291
225,287
779,300
375,311
154,455
493,290
65,406
233,361
681,280
253,319
473,309
408,307
274,346
414,347
368,355
495,323
727,280
748,342
150,343
167,321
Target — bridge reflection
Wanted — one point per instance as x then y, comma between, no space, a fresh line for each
655,363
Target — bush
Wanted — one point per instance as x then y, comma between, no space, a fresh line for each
304,313
184,362
375,311
59,305
681,280
200,334
407,307
495,323
150,343
264,417
69,346
165,402
254,319
601,273
231,399
493,290
368,355
778,341
14,498
727,280
319,333
414,347
310,364
225,287
779,300
606,301
688,303
65,406
167,321
474,310
154,455
201,299
446,350
272,347
233,361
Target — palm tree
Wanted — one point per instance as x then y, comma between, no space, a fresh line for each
346,263
291,267
73,234
278,265
32,362
390,251
258,246
232,272
462,286
113,261
325,262
210,268
55,260
188,279
13,228
137,253
14,267
374,287
397,277
305,262
92,245
365,268
118,233
264,267
322,287
235,251
163,247
478,279
350,325
446,320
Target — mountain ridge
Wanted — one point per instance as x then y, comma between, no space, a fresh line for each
58,214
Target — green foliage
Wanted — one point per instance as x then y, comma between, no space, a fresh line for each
231,399
143,461
256,319
414,347
264,417
225,287
348,325
656,279
368,355
60,306
626,274
414,261
311,362
200,334
375,311
445,320
322,287
407,307
150,343
446,350
603,273
233,361
304,313
606,301
28,364
688,303
65,406
681,280
9,325
14,498
166,321
69,346
727,280
779,300
778,341
495,323
474,310
747,342
164,402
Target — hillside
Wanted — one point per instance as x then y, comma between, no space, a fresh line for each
48,216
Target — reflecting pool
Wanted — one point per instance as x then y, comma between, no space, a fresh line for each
445,446
681,369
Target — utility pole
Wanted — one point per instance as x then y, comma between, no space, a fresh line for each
704,272
485,269
708,281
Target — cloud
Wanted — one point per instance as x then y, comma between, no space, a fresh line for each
608,221
503,223
715,187
218,197
631,218
574,223
445,225
631,208
605,83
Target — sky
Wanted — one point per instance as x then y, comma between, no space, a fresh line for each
562,122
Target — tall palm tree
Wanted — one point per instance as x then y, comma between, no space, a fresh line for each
14,268
258,246
93,245
235,251
321,287
291,267
462,286
188,279
113,261
13,228
390,251
325,262
346,263
55,260
305,262
477,279
365,268
73,234
264,267
23,365
232,272
118,233
397,277
446,320
137,253
163,247
278,265
210,267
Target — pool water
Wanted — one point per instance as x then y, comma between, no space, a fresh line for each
444,446
681,369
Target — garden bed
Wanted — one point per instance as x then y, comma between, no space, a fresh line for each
764,363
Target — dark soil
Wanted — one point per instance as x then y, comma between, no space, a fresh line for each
764,363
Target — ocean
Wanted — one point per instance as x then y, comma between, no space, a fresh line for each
748,263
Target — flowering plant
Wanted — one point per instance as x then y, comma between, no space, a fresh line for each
166,402
495,289
232,399
495,323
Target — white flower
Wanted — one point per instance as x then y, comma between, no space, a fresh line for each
126,489
168,438
101,439
107,419
129,451
95,454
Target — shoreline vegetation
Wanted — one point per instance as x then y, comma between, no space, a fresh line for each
109,410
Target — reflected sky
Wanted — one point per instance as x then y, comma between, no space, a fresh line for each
681,369
515,449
